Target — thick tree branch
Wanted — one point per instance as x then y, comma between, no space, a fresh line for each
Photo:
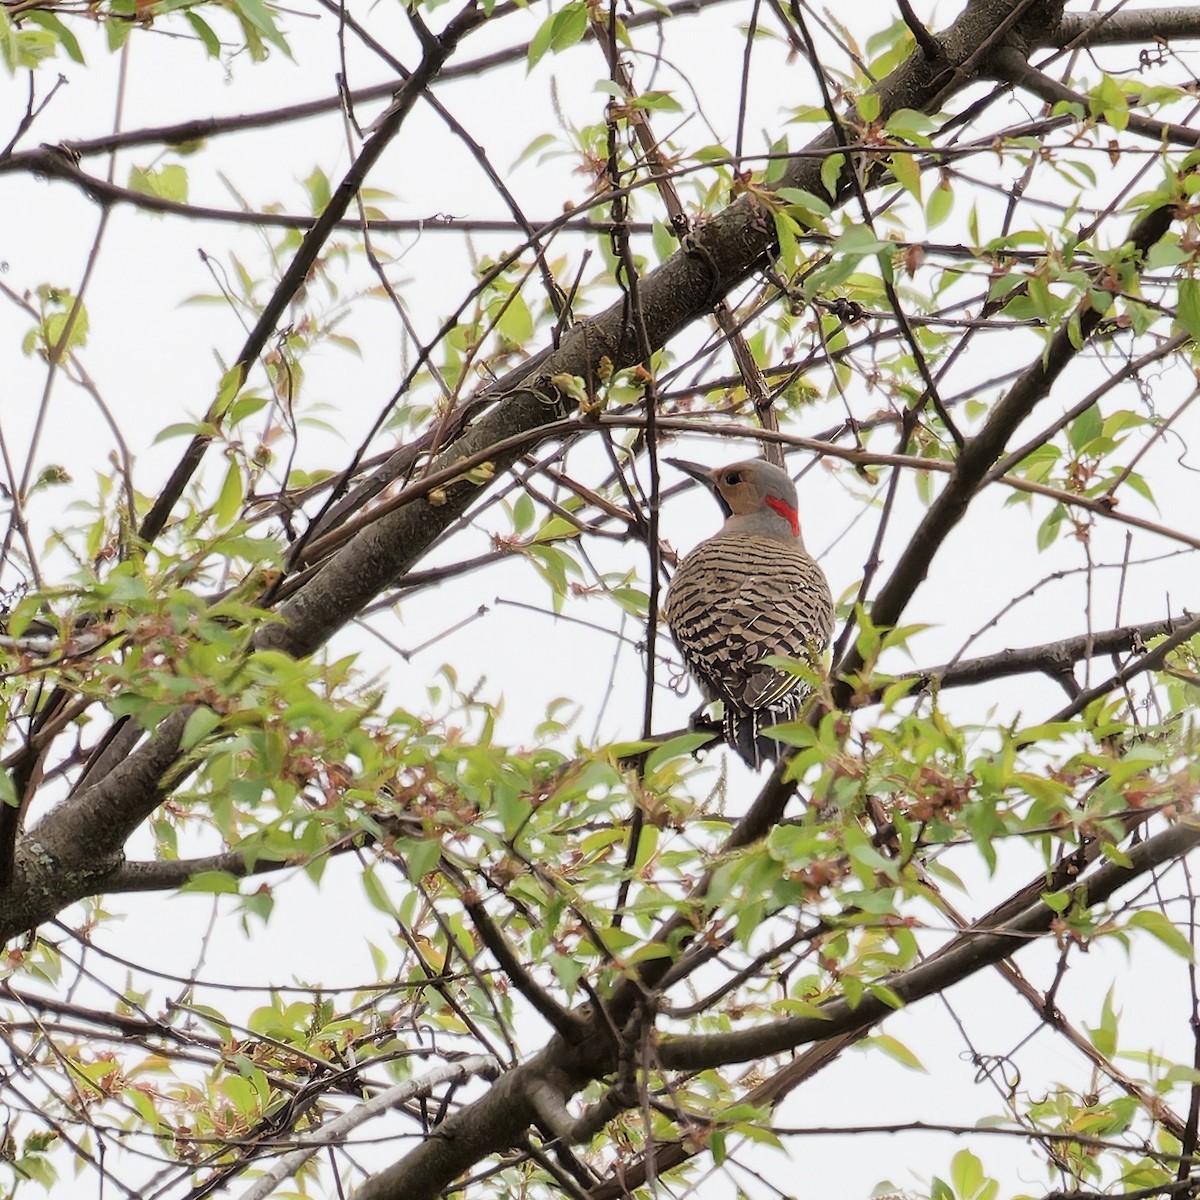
77,846
1013,68
1148,662
981,452
494,1122
1125,27
717,256
333,1132
980,946
437,50
1052,658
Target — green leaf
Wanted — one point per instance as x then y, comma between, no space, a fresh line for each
554,529
716,1147
647,846
230,383
116,33
657,102
421,856
47,20
907,173
786,231
246,406
376,893
8,41
1187,309
858,240
911,124
557,32
516,321
8,793
1104,1037
24,49
1167,252
970,1183
65,325
259,16
229,501
522,513
941,202
895,1049
181,429
205,33
569,27
318,190
200,723
678,747
540,42
889,996
145,1108
221,883
633,600
831,172
1085,428
1160,927
168,183
805,201
1048,530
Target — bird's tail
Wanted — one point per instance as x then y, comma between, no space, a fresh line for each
743,730
742,733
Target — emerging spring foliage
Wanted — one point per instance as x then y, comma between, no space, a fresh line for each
330,642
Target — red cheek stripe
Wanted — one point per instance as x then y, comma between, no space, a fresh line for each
787,513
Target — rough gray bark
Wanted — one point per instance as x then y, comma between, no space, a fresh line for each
719,255
1125,27
55,864
488,1125
77,847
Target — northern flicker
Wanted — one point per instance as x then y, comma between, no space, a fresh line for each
750,591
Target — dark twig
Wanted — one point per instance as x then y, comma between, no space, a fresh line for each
930,46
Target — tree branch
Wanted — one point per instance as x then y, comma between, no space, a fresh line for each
1122,27
437,50
564,1022
478,1066
1052,658
1148,662
1011,67
718,256
981,451
980,946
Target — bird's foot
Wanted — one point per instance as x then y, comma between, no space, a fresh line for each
700,722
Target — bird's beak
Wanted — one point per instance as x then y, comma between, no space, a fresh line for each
697,471
704,475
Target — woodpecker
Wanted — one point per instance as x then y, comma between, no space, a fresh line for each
750,591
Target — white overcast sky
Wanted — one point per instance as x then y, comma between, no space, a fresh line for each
155,360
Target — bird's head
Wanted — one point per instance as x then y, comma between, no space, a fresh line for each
756,496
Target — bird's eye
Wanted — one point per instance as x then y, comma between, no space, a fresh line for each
733,477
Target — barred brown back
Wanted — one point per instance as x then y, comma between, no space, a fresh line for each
735,600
